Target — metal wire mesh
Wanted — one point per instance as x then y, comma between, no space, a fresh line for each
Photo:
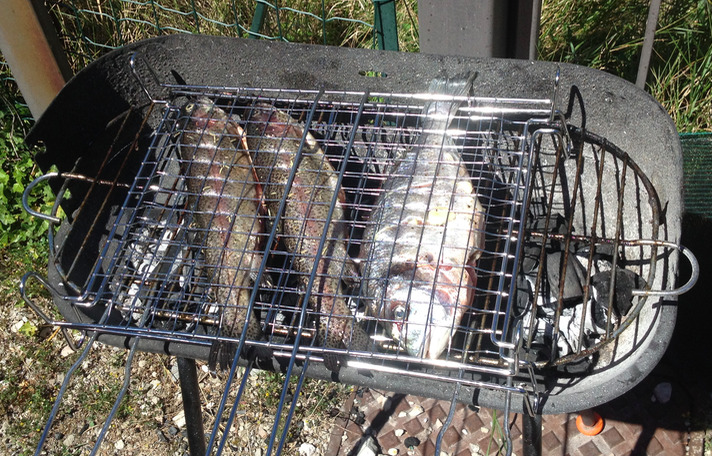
697,161
148,270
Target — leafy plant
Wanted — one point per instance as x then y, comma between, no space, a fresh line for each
17,169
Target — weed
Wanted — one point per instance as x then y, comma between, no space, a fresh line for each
18,229
608,35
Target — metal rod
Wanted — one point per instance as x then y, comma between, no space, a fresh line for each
650,26
119,398
588,417
60,395
448,420
531,434
534,31
188,377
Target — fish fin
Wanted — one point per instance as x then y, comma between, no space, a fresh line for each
351,276
221,354
458,85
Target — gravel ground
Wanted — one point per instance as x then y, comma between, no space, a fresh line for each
150,421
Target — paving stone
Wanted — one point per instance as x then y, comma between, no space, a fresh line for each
654,448
670,438
484,442
451,437
612,437
472,421
427,447
516,430
436,413
549,442
412,426
589,449
559,433
389,440
402,406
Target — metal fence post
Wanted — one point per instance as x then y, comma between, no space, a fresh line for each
385,24
258,20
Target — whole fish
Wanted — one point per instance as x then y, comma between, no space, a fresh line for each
274,139
225,198
425,235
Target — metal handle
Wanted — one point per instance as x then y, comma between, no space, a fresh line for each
694,275
36,308
52,218
25,200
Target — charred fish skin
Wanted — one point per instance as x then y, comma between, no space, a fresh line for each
425,235
225,199
274,139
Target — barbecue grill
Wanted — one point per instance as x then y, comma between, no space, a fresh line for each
574,298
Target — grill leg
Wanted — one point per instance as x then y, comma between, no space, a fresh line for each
531,434
188,376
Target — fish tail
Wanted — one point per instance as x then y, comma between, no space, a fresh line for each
457,86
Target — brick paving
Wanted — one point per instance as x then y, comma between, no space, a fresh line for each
634,425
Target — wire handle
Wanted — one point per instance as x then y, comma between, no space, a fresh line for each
26,196
36,309
52,218
132,64
694,274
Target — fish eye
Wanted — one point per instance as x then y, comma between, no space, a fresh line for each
399,313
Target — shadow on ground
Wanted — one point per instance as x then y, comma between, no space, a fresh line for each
687,364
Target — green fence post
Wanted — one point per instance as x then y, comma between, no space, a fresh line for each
258,19
385,24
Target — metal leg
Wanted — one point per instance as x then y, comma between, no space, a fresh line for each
531,434
188,376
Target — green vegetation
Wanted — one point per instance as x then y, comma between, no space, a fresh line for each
608,35
17,169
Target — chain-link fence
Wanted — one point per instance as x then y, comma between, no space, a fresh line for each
89,28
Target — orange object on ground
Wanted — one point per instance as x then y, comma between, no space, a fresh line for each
589,423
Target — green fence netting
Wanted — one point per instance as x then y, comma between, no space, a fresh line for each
697,172
88,28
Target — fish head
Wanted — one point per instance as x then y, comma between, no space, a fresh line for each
425,306
206,117
420,319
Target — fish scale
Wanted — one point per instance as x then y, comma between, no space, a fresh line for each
425,235
226,195
274,139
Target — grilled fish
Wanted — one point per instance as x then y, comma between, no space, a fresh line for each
274,139
425,235
225,198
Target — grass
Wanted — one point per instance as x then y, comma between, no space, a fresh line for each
602,34
89,28
608,35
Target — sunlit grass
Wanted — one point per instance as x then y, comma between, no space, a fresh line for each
608,35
